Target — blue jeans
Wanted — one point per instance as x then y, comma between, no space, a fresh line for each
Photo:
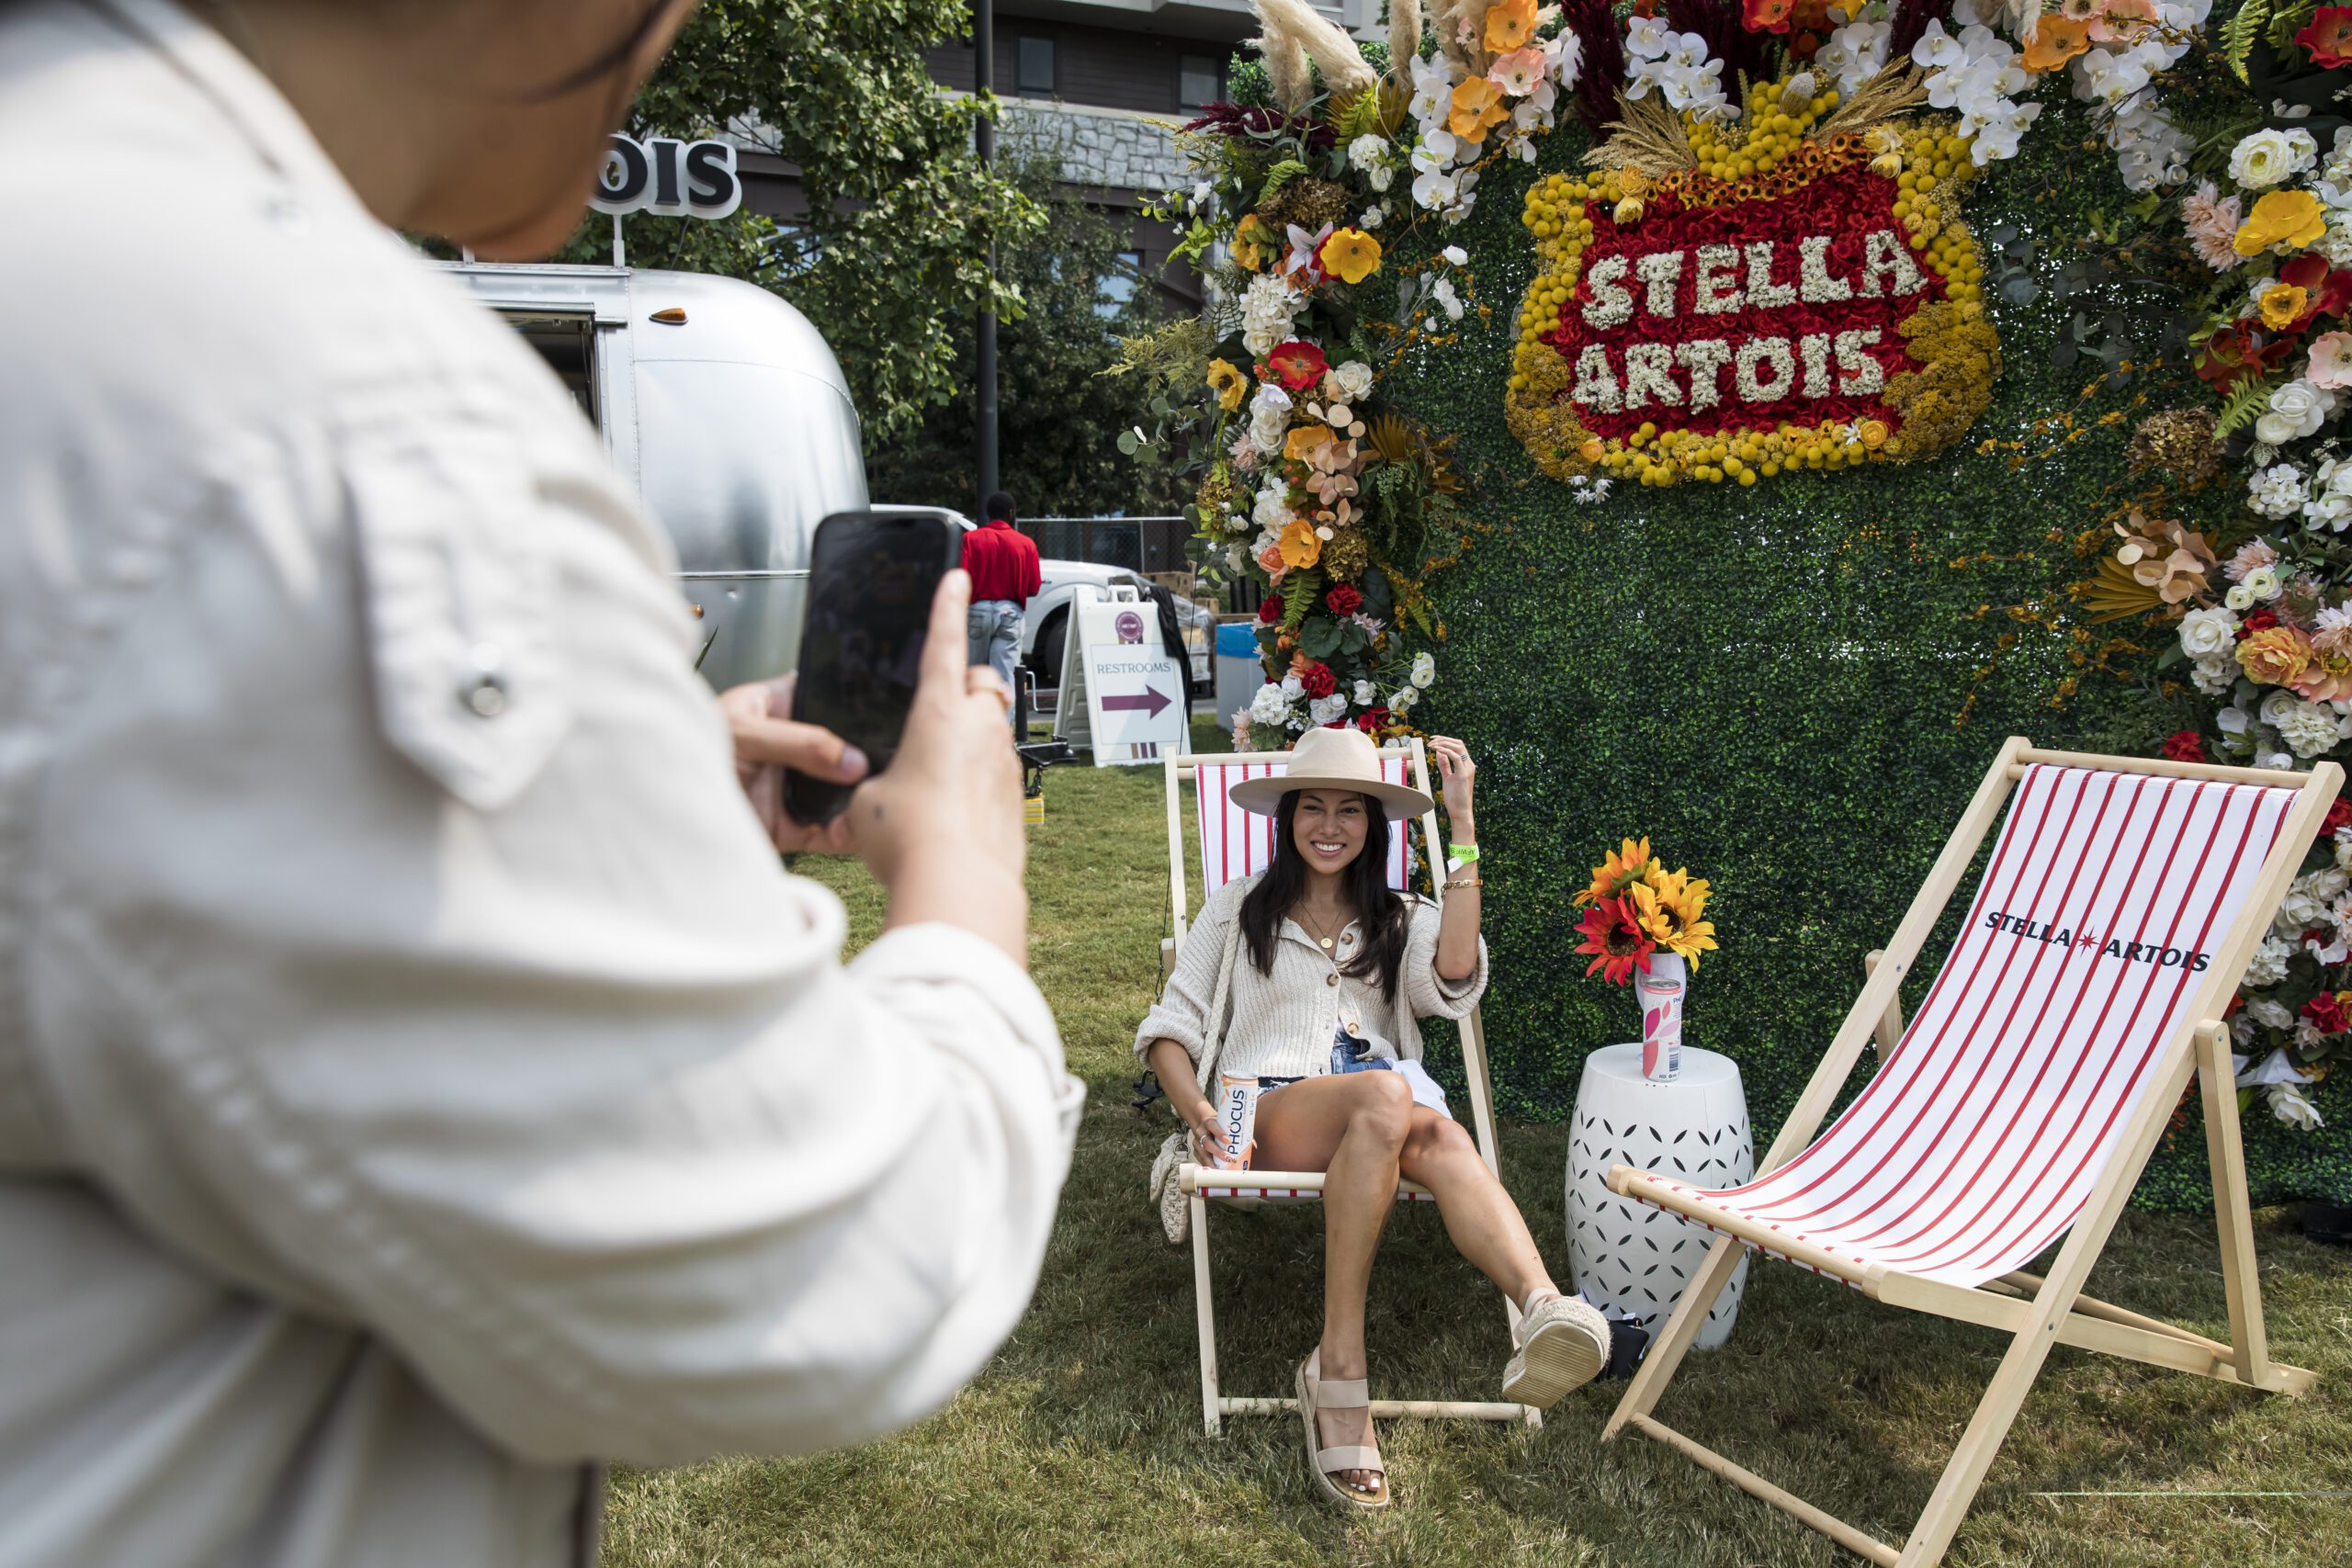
994,639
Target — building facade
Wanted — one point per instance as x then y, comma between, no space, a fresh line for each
1099,87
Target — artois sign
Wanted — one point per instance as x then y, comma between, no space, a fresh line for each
1788,302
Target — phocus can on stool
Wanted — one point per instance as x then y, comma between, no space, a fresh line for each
1659,990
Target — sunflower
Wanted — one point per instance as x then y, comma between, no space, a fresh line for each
1619,870
1229,384
1669,910
1616,940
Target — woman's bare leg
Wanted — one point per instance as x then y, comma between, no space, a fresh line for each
1480,1215
1352,1127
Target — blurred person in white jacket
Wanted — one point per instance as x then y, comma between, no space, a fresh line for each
411,1099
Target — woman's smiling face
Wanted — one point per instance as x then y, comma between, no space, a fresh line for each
1329,827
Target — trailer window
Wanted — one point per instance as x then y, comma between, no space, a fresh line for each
568,343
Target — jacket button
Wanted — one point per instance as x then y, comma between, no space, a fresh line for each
1332,979
1353,1031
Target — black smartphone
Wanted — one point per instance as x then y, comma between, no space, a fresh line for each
871,579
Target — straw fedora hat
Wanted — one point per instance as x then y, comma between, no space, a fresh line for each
1332,759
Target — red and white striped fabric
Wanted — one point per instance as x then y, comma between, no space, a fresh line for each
1300,1194
1236,843
1985,1130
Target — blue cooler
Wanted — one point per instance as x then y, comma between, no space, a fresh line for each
1238,673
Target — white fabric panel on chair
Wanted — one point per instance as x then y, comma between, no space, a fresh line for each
1985,1130
1236,843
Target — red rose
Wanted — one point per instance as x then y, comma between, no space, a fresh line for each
1319,680
1766,16
2260,621
1271,611
1343,600
1297,365
1372,721
2184,747
2324,1014
2338,814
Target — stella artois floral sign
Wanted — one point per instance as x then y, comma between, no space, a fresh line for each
1799,294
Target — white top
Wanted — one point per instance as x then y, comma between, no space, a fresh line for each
402,1108
1282,1024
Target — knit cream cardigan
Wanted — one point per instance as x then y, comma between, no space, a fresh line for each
1280,1025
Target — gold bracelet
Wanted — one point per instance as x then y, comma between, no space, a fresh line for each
1464,882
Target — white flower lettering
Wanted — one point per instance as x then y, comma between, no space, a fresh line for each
1611,306
1715,281
1815,284
1752,355
1860,373
1650,373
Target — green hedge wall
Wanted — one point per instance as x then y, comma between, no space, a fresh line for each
1768,682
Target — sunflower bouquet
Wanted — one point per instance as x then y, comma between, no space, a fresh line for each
1635,907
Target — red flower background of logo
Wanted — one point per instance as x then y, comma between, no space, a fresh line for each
1344,600
1319,680
1846,206
2260,621
2185,746
1271,611
2339,813
2325,1013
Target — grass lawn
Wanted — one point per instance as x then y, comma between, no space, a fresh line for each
1081,1443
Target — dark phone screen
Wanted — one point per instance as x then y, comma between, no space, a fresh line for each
871,581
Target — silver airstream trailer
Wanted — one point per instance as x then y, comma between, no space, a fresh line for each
728,412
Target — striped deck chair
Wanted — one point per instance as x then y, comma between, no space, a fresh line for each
2118,909
1236,843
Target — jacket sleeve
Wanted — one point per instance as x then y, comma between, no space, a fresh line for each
1428,993
495,1026
1182,1014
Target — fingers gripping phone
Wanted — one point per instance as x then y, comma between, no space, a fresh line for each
871,579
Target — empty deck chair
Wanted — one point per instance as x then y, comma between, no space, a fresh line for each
2117,911
1236,843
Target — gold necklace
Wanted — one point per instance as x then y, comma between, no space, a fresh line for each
1315,927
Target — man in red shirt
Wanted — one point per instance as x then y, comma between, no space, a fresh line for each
1004,564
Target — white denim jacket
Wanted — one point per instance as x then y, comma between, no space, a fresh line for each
401,1110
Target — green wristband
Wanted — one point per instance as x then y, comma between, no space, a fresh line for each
1464,854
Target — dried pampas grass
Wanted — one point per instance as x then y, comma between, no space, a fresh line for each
1334,51
1404,40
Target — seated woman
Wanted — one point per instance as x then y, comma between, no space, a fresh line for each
1332,969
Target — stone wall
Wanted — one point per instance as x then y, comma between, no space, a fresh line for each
1096,146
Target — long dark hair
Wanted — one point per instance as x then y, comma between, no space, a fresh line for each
1364,885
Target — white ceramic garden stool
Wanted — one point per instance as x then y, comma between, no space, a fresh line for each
1631,1258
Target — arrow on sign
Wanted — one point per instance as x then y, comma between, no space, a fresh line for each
1152,700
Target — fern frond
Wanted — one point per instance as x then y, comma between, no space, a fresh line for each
2245,404
2238,35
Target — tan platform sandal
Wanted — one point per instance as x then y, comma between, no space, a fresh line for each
1563,1345
1318,1394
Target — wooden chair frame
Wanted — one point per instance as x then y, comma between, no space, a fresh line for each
2036,1311
1214,1405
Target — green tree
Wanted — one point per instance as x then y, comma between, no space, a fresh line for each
893,251
1058,414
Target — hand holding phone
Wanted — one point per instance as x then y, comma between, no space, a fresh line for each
871,579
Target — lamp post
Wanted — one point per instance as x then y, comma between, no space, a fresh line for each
984,139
